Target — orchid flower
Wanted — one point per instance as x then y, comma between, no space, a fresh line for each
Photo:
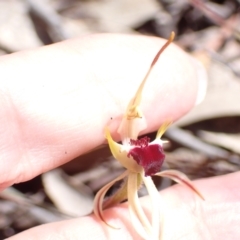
142,159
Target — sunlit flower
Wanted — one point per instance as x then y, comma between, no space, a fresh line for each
142,159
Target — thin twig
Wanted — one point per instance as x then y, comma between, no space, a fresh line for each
189,140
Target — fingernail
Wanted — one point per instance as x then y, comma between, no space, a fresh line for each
202,80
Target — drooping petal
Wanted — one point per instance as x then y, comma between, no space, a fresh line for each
156,203
121,194
98,201
181,178
122,155
149,156
138,217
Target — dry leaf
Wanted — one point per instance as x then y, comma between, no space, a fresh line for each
222,98
66,198
15,24
229,141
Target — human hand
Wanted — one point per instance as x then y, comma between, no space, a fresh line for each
56,100
184,216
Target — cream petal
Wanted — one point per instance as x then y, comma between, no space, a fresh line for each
181,178
121,194
156,203
138,217
98,201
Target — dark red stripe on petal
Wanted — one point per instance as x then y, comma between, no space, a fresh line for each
150,157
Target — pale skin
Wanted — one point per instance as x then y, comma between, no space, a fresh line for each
59,98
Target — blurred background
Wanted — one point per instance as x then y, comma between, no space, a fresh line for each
205,143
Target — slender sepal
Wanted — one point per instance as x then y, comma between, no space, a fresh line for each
130,126
138,217
155,200
98,201
121,194
163,129
181,178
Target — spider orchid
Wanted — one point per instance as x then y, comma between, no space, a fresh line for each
142,159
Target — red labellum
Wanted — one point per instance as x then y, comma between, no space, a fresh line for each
149,156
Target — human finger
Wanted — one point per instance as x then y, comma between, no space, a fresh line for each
185,216
56,100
